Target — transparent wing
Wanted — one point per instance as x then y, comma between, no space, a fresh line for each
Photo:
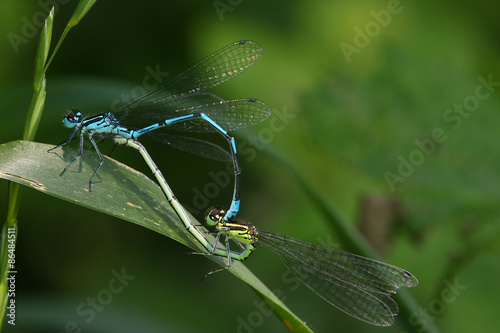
194,146
356,285
217,68
185,94
231,115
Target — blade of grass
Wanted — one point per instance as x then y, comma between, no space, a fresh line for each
81,10
32,120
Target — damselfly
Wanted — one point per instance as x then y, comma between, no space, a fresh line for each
358,286
183,105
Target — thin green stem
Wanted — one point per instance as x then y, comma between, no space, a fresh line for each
7,245
59,42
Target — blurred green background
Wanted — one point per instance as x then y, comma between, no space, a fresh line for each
360,92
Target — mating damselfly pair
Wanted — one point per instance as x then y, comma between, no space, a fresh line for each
359,286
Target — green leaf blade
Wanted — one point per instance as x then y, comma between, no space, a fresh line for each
119,191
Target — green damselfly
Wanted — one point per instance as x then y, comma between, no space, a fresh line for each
358,286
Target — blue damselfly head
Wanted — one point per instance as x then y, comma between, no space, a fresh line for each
73,118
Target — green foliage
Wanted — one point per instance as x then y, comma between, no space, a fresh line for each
353,119
121,192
